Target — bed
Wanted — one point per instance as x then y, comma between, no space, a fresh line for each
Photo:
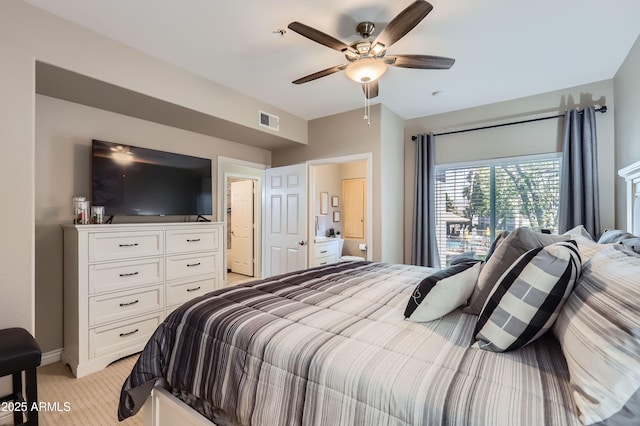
331,345
275,357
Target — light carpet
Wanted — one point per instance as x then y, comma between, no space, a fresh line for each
90,400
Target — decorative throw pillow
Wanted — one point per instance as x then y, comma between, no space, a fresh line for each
599,331
614,236
526,301
495,244
514,245
442,292
632,244
467,256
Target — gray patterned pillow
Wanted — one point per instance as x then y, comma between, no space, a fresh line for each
599,331
526,300
514,245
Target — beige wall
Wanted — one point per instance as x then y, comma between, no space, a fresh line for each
28,34
526,139
392,186
326,179
64,131
342,135
627,91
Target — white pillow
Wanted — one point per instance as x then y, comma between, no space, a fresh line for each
587,247
442,292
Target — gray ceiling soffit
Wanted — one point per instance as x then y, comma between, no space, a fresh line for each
70,86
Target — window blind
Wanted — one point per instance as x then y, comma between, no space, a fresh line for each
477,201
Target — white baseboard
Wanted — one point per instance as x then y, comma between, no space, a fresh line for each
51,357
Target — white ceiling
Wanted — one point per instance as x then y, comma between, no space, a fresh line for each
504,49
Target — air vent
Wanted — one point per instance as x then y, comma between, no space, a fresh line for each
269,120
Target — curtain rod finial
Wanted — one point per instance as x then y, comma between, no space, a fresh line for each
603,109
414,137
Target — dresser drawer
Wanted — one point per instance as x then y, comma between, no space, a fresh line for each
179,292
325,249
121,275
190,265
125,304
126,336
326,260
191,240
105,246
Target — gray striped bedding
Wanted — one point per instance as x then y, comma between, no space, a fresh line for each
330,346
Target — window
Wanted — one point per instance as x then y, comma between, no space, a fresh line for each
475,202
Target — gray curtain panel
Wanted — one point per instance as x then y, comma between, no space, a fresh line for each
424,248
579,197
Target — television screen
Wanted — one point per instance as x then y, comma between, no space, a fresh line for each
129,180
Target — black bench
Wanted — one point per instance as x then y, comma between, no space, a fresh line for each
20,352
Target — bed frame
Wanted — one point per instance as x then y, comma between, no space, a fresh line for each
162,408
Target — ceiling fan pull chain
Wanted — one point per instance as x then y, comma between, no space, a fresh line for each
367,105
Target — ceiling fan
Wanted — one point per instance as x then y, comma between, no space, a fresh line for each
366,59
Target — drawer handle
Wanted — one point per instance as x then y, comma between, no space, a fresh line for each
193,264
195,240
323,251
193,289
129,245
130,274
129,304
129,333
323,263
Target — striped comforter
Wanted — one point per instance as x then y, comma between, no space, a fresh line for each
330,346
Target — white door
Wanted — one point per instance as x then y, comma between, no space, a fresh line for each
285,219
242,227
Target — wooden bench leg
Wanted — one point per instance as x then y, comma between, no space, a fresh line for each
32,396
17,394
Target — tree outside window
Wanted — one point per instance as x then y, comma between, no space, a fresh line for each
474,203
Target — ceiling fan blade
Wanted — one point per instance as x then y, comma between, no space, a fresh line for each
403,23
319,74
322,38
372,91
425,62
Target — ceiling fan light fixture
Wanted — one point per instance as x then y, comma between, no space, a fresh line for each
365,70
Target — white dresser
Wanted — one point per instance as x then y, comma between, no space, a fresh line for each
120,281
324,252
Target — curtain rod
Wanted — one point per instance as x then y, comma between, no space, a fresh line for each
602,109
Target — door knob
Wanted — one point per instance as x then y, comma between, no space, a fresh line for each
301,242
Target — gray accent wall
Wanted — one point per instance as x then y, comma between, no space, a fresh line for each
64,131
627,92
29,35
518,140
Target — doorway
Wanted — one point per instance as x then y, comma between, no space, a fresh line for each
328,176
232,170
241,204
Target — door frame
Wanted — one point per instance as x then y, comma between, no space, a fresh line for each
232,167
311,184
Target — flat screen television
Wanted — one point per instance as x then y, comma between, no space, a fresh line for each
129,180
